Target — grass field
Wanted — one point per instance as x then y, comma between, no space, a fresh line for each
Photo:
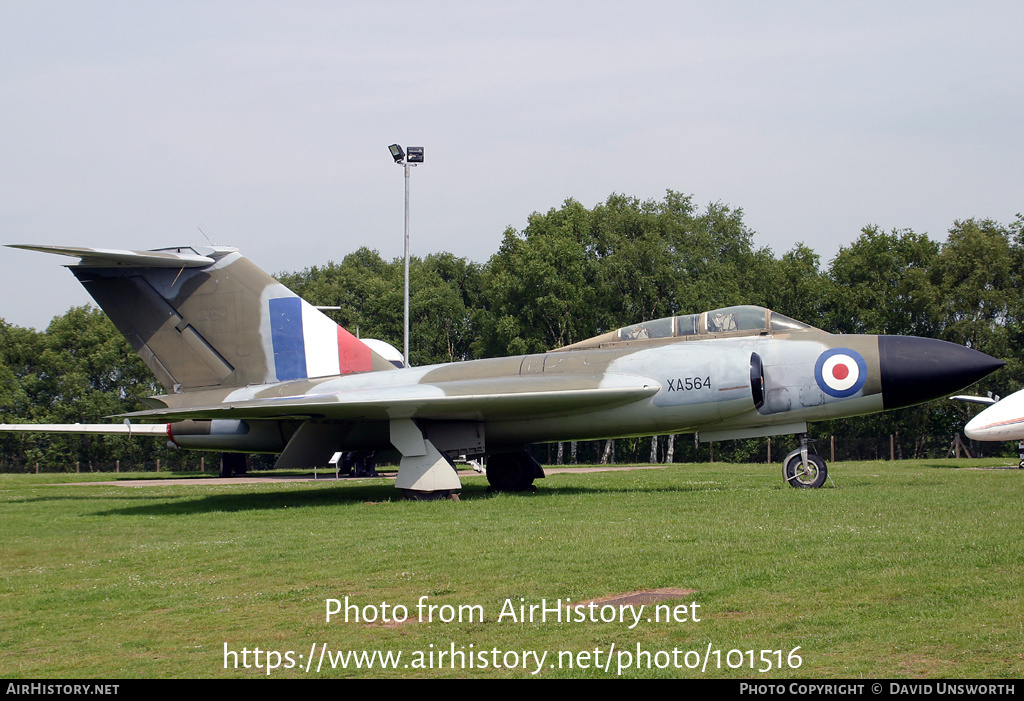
906,569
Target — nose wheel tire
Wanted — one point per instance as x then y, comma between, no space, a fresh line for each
810,477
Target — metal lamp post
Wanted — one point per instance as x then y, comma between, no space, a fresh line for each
407,161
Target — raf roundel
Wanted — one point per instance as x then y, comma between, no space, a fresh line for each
840,372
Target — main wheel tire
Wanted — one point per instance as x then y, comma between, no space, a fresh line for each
510,472
811,477
232,464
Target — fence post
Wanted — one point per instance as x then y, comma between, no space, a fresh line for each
769,451
892,448
117,466
76,467
158,464
833,453
202,464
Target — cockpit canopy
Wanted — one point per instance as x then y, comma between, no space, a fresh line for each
743,320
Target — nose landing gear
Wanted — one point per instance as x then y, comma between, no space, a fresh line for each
804,468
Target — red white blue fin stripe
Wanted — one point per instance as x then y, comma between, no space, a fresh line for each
308,344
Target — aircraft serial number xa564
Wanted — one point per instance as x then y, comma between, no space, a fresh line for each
681,384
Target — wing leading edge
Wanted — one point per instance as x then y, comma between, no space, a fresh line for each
480,400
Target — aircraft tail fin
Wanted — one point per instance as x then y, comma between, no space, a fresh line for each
204,317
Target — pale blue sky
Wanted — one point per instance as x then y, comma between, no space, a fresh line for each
133,124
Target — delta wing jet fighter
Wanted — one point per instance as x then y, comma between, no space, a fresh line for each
248,366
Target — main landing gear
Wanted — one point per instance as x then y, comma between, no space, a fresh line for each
232,464
513,472
803,468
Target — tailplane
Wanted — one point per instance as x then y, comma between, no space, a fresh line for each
204,317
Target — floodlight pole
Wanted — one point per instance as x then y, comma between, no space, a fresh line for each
407,161
407,166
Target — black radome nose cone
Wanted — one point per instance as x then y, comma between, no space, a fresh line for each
916,370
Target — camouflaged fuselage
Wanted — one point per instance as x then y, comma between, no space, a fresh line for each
248,366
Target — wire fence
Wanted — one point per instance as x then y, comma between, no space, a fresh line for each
200,464
658,450
684,448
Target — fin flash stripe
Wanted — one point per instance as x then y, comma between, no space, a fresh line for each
308,344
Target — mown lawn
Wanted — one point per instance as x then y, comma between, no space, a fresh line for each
905,569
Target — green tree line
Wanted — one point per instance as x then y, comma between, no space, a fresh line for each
570,274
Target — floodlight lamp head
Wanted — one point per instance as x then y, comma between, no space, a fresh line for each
396,152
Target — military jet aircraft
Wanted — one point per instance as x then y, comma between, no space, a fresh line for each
1003,420
248,366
